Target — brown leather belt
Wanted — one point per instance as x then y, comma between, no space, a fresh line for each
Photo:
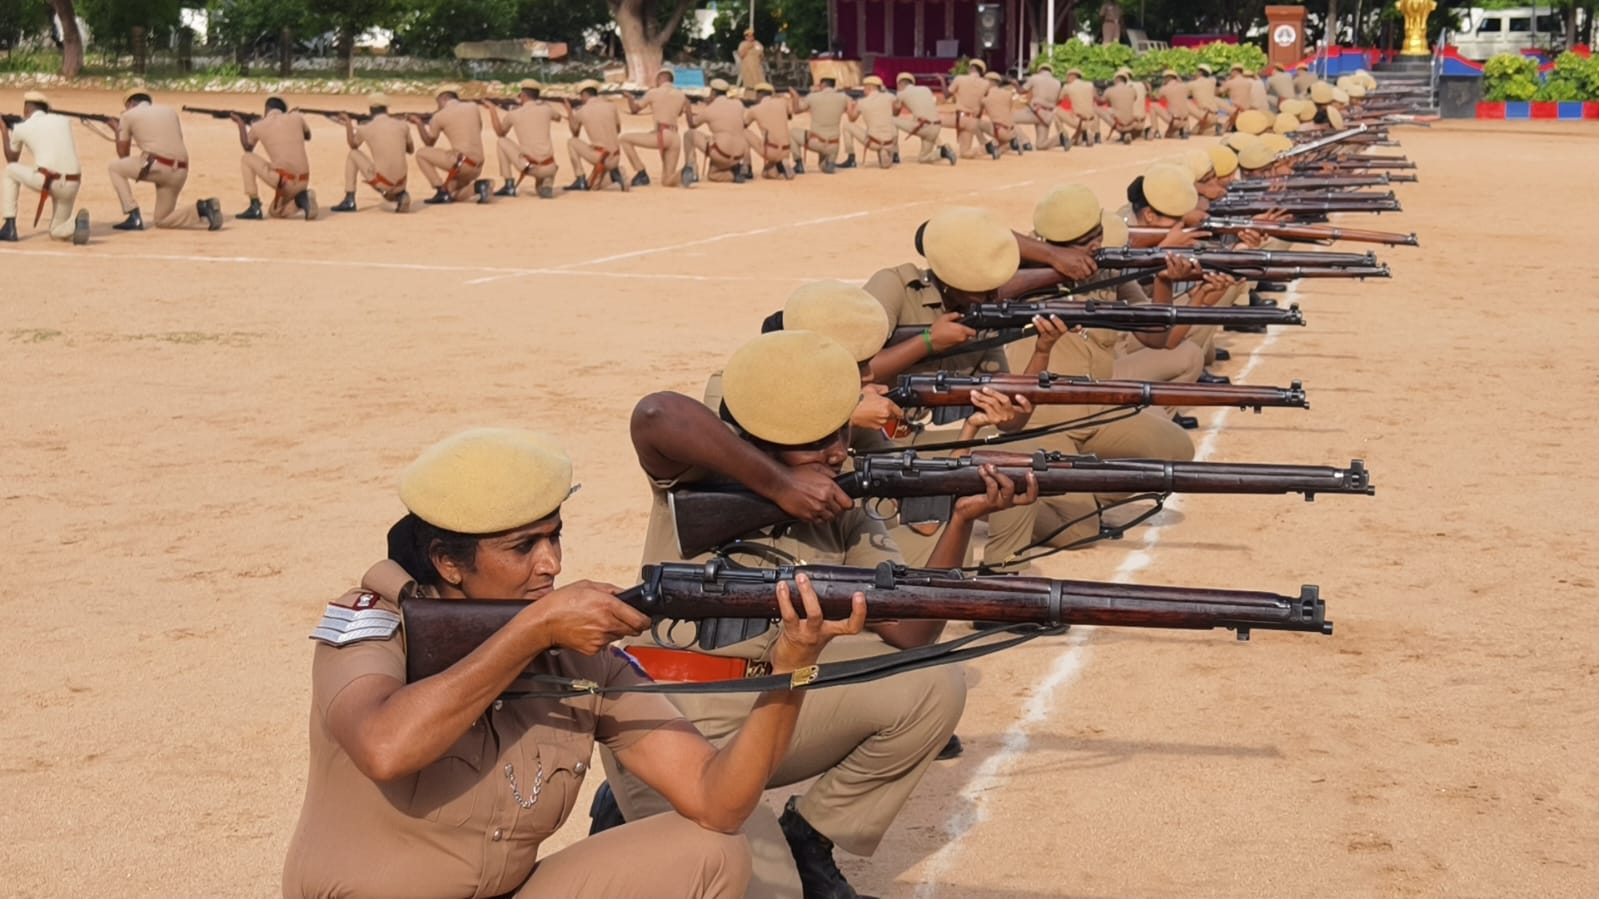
599,167
380,182
462,161
44,190
684,666
285,179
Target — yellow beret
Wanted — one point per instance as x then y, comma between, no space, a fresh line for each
903,77
1253,121
993,76
1285,122
1124,72
1335,118
487,480
1115,231
1045,67
1170,189
1198,163
970,251
1339,95
1203,67
1169,73
1255,156
977,64
377,100
873,80
791,387
1321,92
1074,71
1344,81
1238,140
1356,90
718,84
843,313
1276,143
1223,160
450,89
766,88
528,84
1366,79
135,92
1237,67
35,97
1066,213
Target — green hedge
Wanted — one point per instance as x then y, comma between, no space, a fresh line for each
1099,62
1511,76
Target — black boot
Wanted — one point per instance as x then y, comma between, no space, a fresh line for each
1065,142
951,750
254,213
582,183
799,166
80,228
813,857
1186,422
439,198
210,209
402,203
689,175
134,222
948,153
509,190
305,201
546,191
1223,355
8,231
1205,377
620,179
1016,145
348,205
1271,286
604,813
642,179
848,163
829,167
896,157
481,187
739,177
1256,299
993,151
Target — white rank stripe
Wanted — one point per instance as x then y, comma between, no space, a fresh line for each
341,625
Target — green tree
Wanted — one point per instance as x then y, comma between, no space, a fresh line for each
252,24
21,17
646,27
113,21
349,18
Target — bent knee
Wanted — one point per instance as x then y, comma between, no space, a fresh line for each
725,860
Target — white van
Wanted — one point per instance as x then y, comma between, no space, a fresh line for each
1486,33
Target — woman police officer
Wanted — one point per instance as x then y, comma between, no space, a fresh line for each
439,789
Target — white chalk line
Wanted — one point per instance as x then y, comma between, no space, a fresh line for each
1067,668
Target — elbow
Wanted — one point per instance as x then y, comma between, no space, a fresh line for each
649,415
381,760
720,822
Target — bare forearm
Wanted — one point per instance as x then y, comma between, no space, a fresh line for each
736,776
896,359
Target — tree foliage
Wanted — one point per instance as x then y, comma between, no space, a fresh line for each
1099,62
113,21
433,27
1510,76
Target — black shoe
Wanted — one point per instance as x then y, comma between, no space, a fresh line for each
1186,422
582,183
1183,134
1223,356
896,157
439,198
254,213
1271,286
813,858
546,192
8,231
80,228
848,163
604,813
509,190
402,202
994,151
481,186
210,209
1065,142
642,179
1256,299
739,177
134,222
1205,377
620,179
829,167
1016,145
305,201
799,166
948,153
349,203
1245,329
1027,148
951,750
689,175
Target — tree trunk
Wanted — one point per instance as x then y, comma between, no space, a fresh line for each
644,44
1332,23
347,50
71,40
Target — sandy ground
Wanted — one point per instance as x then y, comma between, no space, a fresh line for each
202,431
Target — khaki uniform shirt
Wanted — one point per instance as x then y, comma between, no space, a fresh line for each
968,92
910,299
1123,102
665,104
1089,353
389,139
49,138
1175,93
155,130
1044,89
1081,93
1257,95
997,104
283,135
452,830
771,116
877,112
602,122
725,117
1281,85
751,56
1239,91
827,112
462,125
1203,91
531,123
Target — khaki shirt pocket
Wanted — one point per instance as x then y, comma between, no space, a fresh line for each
447,791
557,774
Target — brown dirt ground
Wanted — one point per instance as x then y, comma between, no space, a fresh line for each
202,433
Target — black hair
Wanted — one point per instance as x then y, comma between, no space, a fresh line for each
277,103
670,75
1135,195
1321,116
828,82
140,98
920,230
773,322
589,92
451,94
39,103
412,543
378,109
531,92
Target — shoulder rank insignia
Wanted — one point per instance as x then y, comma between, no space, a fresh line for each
361,620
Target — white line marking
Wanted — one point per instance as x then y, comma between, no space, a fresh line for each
990,775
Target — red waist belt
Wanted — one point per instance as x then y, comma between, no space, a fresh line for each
44,190
683,666
285,179
380,182
169,163
660,134
462,161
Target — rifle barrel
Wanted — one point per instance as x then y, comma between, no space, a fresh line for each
946,389
1121,316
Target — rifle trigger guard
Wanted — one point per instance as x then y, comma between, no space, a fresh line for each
666,640
874,508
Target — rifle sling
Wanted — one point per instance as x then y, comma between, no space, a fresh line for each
828,674
1097,420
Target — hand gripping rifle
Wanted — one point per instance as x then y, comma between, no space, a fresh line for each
716,514
440,633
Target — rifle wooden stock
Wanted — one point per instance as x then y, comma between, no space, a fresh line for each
1294,232
717,514
1328,206
248,117
441,632
1047,388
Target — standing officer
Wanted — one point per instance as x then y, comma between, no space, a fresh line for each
453,172
1207,107
163,160
1083,117
968,91
827,106
770,117
386,170
603,149
531,151
1042,90
751,60
55,172
442,786
916,114
877,133
665,104
287,169
726,147
1178,113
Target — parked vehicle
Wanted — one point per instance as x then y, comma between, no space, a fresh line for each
1486,33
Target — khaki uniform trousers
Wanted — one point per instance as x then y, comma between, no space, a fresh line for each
1082,128
517,163
867,744
1116,128
664,855
581,151
885,148
1044,121
1163,117
63,196
968,129
925,131
825,148
662,139
359,166
727,156
436,164
285,187
168,183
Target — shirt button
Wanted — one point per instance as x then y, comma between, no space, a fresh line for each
498,835
499,704
580,767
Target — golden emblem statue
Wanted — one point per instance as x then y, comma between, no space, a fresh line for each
1415,13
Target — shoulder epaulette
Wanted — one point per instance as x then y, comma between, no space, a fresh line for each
361,620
